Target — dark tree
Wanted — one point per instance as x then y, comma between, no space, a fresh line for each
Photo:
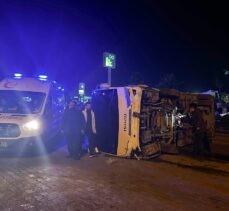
136,78
222,79
169,81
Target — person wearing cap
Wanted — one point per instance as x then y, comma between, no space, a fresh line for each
73,125
198,127
90,129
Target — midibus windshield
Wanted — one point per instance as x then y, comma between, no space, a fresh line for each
21,102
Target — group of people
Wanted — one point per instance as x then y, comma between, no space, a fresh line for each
76,125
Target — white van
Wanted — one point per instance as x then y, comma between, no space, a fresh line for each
30,110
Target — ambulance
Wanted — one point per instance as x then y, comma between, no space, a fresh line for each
140,121
30,111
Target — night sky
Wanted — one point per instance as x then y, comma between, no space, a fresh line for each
66,40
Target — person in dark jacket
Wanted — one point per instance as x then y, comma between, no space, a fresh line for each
199,129
73,125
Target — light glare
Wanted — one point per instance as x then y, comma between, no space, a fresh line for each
32,125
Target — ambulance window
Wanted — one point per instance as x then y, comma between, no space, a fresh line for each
21,102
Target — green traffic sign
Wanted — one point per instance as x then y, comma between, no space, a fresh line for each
109,60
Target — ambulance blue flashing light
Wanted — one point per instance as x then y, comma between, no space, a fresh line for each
44,77
17,75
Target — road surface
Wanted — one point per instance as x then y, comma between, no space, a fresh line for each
171,182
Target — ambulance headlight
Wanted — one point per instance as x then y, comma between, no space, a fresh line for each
33,125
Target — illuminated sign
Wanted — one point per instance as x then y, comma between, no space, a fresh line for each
81,88
109,60
81,92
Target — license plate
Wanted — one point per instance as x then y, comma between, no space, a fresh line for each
3,144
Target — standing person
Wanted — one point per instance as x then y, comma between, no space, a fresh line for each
90,129
73,125
199,129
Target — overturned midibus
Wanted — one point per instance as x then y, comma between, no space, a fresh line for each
143,121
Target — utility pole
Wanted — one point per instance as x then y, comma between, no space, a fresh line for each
109,76
109,61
